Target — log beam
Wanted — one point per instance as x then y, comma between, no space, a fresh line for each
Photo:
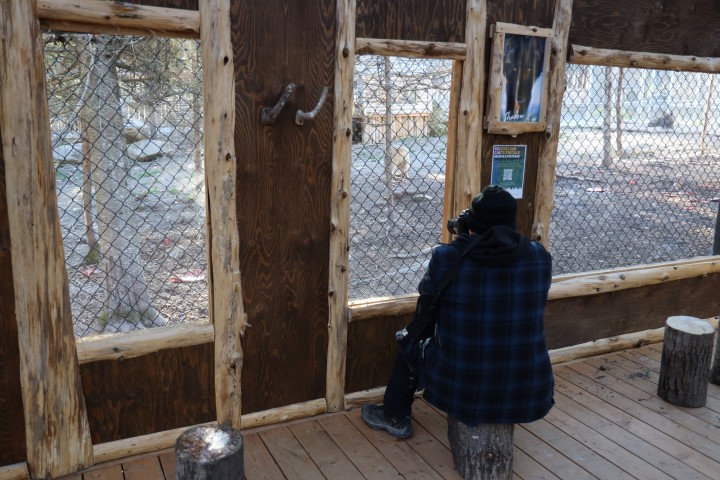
410,48
470,112
139,343
227,313
340,206
547,156
120,18
582,55
56,425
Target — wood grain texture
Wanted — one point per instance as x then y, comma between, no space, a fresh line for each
572,321
227,312
154,393
120,15
371,352
426,20
283,189
339,261
547,155
12,420
186,4
468,166
679,27
56,426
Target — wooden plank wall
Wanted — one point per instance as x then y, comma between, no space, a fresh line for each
679,27
427,20
153,393
284,178
12,420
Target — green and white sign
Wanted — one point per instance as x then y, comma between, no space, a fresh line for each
508,168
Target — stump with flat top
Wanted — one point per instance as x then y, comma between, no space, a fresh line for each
210,452
482,452
685,363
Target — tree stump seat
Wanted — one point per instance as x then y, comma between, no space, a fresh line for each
685,363
210,453
482,452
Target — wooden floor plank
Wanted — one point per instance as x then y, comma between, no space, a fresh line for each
146,468
290,456
433,421
673,447
653,369
605,447
331,461
437,455
639,411
397,452
167,462
649,401
576,451
546,455
259,463
657,458
366,458
529,469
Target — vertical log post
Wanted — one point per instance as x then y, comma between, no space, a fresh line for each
483,452
57,433
685,363
715,370
210,453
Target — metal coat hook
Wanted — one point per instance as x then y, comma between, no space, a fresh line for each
301,116
270,115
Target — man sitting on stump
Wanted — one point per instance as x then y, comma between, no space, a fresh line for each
486,361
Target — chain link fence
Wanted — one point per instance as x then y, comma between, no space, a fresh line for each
638,168
126,133
400,122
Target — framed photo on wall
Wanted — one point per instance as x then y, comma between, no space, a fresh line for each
517,88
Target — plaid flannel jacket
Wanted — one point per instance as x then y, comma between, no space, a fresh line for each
488,361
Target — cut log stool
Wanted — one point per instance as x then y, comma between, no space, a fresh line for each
210,453
685,363
482,452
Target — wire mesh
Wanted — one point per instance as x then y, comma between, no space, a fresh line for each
126,133
400,122
638,168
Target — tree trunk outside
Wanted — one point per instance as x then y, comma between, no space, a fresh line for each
607,120
685,363
389,100
199,173
483,452
618,114
716,241
706,122
126,293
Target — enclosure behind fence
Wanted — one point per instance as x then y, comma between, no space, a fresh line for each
400,123
126,134
638,168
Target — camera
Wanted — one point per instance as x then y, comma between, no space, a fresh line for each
459,224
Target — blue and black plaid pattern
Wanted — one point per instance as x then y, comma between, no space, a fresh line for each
489,362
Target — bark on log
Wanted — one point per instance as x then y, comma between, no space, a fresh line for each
685,364
210,453
482,452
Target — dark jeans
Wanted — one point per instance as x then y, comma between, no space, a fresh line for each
401,388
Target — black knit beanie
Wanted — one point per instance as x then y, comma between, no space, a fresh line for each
493,206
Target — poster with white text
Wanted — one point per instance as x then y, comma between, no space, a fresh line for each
508,168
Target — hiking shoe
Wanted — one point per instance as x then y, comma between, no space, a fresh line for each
374,416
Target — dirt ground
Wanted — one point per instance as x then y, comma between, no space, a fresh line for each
654,204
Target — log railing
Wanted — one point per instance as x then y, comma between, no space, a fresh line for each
119,18
581,55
